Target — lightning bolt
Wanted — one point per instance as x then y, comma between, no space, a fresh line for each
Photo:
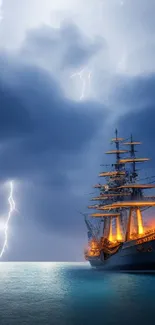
11,210
84,79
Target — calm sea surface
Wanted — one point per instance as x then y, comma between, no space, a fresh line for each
72,293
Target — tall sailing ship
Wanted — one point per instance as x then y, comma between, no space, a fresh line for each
117,236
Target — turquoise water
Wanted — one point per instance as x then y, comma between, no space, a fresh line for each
72,293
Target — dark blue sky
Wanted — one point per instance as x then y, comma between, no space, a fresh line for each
52,143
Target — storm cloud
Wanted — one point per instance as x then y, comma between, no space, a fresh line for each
51,143
60,48
44,138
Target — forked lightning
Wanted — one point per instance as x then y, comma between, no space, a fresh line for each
85,79
11,210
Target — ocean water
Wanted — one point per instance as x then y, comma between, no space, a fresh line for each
73,293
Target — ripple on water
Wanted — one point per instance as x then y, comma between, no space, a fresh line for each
73,293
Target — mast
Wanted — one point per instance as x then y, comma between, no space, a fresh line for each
117,148
137,200
108,192
117,140
122,193
132,151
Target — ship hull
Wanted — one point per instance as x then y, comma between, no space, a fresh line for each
130,256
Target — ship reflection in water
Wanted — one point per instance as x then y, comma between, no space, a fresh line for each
73,294
118,239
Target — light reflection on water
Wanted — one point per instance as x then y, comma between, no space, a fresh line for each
73,293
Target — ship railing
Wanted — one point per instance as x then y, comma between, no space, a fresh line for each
146,232
150,231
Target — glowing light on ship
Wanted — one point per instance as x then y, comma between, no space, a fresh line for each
118,229
150,225
140,222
